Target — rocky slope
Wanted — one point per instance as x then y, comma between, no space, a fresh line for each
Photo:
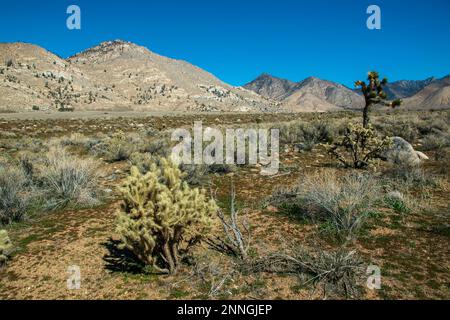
436,95
311,94
406,88
115,75
271,87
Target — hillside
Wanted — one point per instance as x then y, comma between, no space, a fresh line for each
434,96
115,75
311,94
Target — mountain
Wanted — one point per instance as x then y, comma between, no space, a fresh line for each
271,87
119,75
115,75
406,88
311,94
436,95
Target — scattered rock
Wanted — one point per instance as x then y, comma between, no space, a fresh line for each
395,195
402,152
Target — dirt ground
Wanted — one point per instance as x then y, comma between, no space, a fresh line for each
412,250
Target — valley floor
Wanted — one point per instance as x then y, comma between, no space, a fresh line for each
411,247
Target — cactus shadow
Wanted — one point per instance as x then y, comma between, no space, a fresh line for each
121,260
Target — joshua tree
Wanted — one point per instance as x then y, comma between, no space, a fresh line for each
374,94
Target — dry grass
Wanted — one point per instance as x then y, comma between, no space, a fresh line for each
68,180
14,194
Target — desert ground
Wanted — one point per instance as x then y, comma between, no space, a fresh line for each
403,226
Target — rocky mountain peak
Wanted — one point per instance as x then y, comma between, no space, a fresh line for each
109,50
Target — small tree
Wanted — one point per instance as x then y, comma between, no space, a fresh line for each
62,98
162,217
374,95
359,146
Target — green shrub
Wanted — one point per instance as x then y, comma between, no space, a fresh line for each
396,201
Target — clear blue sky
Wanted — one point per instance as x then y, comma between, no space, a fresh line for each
238,39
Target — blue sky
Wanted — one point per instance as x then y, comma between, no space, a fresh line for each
239,39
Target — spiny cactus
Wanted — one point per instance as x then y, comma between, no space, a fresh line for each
359,146
161,216
5,246
374,94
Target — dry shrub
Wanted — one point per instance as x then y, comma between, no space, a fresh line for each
410,175
340,272
118,147
14,194
343,203
68,180
159,147
437,141
307,135
143,161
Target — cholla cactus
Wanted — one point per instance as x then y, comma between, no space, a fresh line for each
359,146
162,216
374,94
5,246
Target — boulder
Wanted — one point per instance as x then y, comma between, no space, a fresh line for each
422,156
402,152
395,195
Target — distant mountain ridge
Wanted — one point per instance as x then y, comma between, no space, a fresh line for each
404,88
311,94
120,76
314,94
435,95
